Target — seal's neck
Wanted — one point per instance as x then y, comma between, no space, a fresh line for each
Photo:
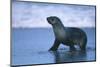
59,30
59,26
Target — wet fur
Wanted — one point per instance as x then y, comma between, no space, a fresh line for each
68,36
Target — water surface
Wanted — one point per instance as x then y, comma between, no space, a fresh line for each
30,46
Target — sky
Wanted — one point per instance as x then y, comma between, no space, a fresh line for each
34,14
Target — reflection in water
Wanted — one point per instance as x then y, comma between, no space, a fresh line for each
48,57
65,56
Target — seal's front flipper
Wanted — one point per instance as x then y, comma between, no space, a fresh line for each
52,49
55,46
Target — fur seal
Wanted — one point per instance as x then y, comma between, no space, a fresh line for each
69,36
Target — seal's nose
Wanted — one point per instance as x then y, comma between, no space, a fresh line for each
48,19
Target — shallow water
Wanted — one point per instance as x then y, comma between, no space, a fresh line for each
30,46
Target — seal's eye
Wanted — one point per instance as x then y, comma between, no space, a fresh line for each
52,19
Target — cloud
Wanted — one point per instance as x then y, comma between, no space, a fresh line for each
28,14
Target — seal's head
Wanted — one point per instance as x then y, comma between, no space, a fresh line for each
53,20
